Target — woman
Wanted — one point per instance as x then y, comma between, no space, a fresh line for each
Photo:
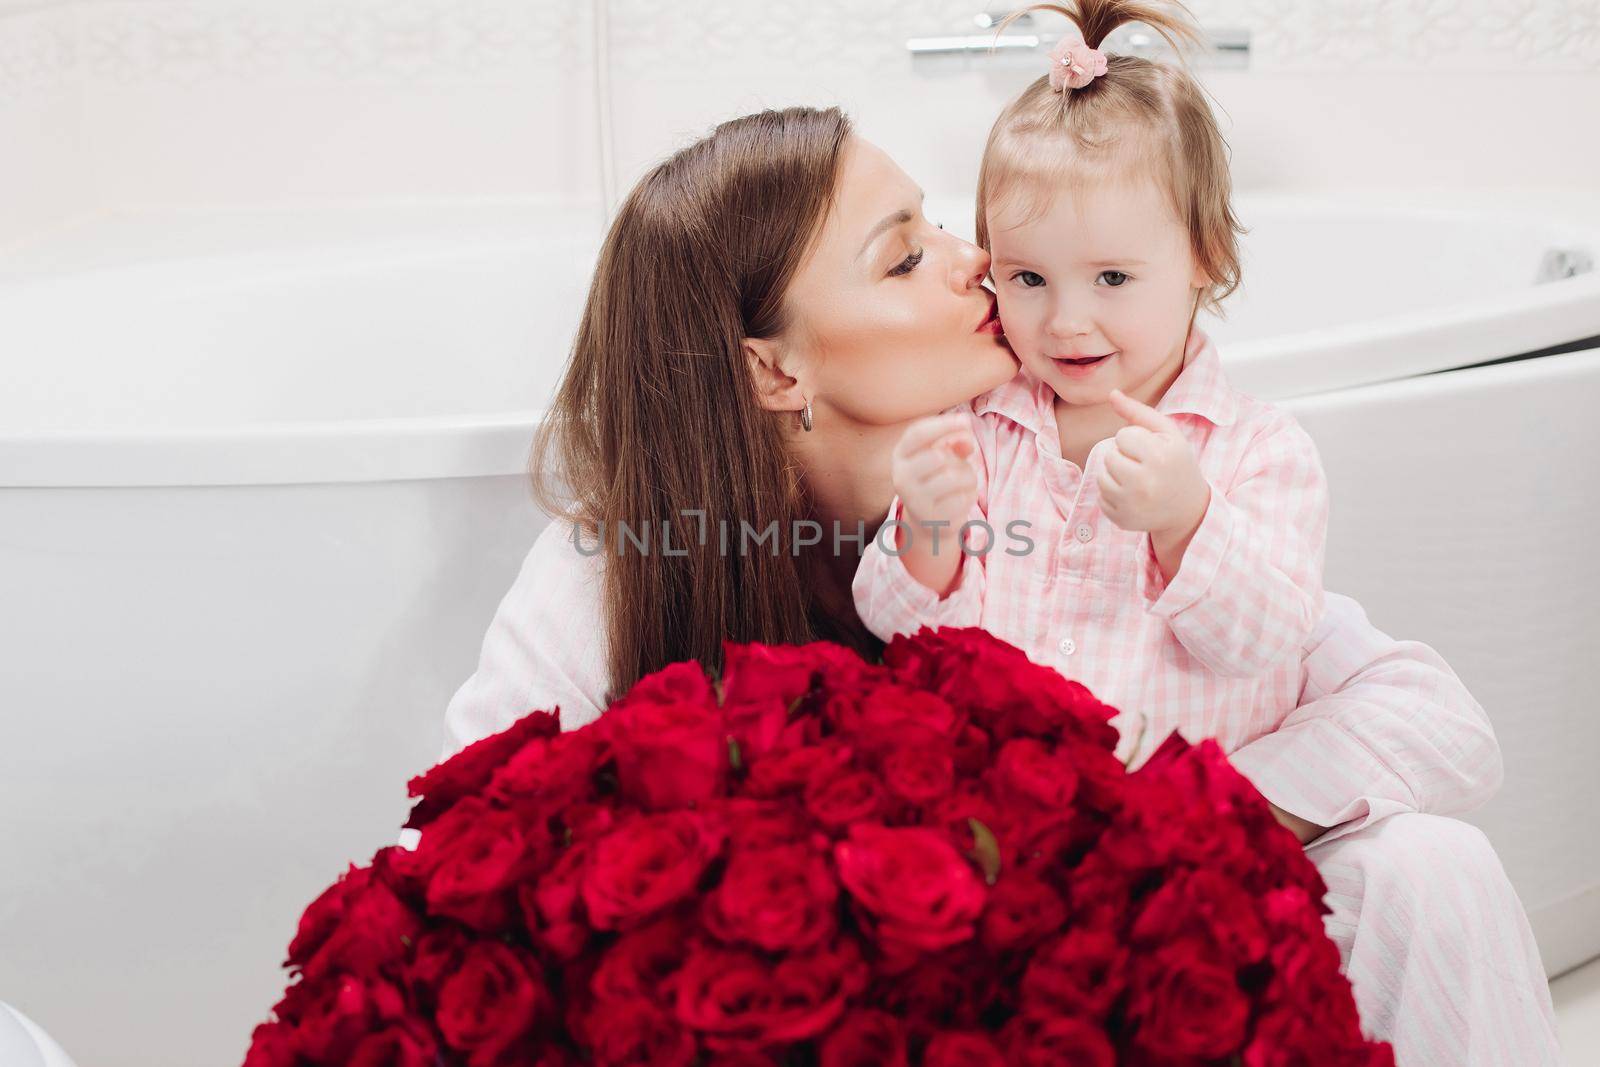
768,312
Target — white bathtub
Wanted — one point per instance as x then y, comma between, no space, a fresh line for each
261,488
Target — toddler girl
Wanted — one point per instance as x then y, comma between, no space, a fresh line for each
1116,510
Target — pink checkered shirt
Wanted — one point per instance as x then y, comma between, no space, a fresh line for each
1217,652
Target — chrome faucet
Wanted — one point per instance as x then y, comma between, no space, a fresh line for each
1225,48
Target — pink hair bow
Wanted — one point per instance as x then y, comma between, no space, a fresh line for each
1073,64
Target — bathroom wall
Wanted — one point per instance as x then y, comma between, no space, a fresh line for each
196,104
110,106
1359,92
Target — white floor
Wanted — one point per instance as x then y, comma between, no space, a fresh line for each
1577,997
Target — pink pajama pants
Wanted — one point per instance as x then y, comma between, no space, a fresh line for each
1436,944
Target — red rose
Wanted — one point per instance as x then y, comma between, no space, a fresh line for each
865,1038
468,771
1102,779
475,880
919,774
642,962
1029,770
552,907
742,1059
1203,904
407,1043
756,673
972,750
1286,1038
962,1048
789,772
1052,841
972,800
1033,1038
780,899
844,798
272,1045
754,823
1183,1004
757,727
1306,976
669,755
1007,692
953,988
676,683
357,925
635,1033
496,997
1081,973
646,865
556,772
787,673
331,1017
892,715
322,916
738,1001
437,955
1022,910
922,893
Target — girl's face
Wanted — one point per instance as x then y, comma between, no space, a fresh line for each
1107,274
889,312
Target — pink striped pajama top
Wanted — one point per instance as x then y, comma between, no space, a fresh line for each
1214,653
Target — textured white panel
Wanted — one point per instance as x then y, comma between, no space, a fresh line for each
1465,506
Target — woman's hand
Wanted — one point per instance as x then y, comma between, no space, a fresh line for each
1302,829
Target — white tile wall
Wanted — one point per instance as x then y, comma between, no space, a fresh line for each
119,104
218,103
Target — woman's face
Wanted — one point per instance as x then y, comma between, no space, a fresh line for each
888,315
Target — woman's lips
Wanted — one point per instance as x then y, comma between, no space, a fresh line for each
991,321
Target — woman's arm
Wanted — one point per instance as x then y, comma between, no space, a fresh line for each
1383,726
545,647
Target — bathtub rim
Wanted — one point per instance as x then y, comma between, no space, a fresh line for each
284,453
1279,367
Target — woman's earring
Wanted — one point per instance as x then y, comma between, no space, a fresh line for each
805,417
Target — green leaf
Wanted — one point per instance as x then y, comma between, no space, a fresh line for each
985,850
734,756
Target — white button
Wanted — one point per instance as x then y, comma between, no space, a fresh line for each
1085,532
1067,646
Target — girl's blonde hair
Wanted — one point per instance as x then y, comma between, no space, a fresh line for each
1138,118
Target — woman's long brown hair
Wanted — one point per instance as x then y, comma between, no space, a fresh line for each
657,414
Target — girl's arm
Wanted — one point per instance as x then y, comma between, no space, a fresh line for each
890,601
1383,726
892,589
1248,592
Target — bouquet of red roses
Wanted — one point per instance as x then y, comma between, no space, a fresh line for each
812,859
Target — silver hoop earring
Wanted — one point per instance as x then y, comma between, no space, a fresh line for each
805,417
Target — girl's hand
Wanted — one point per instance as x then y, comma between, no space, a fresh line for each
1151,479
933,475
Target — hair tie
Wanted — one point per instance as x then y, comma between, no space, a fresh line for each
1073,64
